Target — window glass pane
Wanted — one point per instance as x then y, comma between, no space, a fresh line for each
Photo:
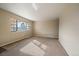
21,26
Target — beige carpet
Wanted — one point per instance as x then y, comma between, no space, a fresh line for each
35,46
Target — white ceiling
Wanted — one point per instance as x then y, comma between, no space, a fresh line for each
35,12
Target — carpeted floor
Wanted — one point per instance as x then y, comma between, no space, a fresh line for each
35,46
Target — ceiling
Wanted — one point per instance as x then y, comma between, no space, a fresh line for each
35,11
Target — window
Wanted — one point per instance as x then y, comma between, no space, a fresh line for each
13,28
13,25
28,26
19,26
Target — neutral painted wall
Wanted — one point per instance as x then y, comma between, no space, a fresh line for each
69,29
48,28
6,36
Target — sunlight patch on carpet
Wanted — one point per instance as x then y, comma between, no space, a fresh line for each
34,48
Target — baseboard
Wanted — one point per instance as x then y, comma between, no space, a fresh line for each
63,47
46,37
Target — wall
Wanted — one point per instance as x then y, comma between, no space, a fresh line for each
69,29
48,28
6,36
